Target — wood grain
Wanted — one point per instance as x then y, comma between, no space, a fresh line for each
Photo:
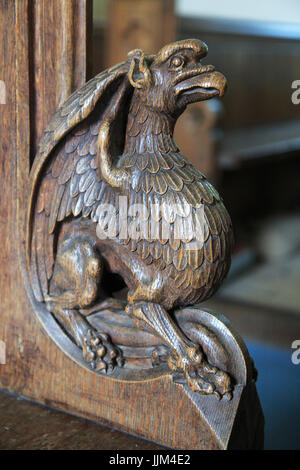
60,33
148,25
145,24
260,69
35,367
28,426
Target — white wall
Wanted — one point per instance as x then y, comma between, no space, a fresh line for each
281,11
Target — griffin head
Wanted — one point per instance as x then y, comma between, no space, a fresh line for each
175,77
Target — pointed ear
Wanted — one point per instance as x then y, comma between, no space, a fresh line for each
139,73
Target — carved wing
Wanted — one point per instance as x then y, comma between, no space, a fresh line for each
65,178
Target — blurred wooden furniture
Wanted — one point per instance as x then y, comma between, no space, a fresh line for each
133,24
197,134
258,58
258,155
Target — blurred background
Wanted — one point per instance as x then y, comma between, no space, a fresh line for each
248,145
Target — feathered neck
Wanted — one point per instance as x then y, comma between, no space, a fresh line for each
148,130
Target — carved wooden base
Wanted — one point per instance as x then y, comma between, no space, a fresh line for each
143,399
173,416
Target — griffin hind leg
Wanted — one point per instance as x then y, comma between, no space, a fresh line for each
152,294
186,360
146,307
76,280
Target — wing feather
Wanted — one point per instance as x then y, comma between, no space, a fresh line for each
65,177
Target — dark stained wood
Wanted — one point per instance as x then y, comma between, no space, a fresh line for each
150,92
260,118
159,270
144,24
148,25
60,41
25,425
35,367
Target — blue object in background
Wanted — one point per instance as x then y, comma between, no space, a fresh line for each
278,386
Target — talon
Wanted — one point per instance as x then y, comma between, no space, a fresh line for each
101,366
200,376
229,396
88,355
101,351
94,341
198,384
210,389
98,348
112,354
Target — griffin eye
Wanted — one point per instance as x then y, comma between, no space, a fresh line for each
177,62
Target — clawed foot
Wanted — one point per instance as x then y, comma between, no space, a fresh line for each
100,353
199,375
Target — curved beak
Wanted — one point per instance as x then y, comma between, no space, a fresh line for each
200,84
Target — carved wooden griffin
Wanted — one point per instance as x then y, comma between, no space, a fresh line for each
112,139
